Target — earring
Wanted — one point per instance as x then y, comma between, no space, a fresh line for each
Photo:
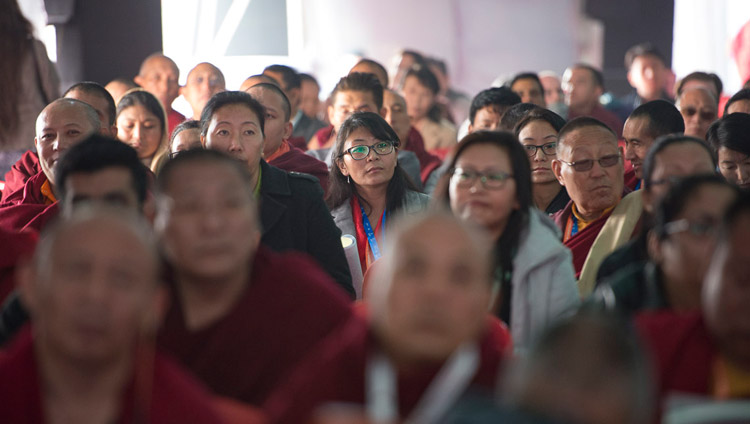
348,179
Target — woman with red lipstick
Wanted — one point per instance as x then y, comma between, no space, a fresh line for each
537,131
367,187
489,183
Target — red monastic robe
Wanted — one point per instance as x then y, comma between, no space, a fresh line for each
321,138
427,161
27,207
25,168
295,160
579,244
173,396
13,246
290,304
174,119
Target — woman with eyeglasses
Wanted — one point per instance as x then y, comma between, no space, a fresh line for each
489,183
367,187
680,248
537,131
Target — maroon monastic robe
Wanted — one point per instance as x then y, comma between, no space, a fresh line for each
25,168
174,119
26,208
13,247
335,373
579,244
289,305
322,137
173,396
427,161
295,160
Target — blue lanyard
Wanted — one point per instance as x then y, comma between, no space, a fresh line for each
371,234
574,227
638,186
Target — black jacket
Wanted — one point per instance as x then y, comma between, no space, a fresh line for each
294,217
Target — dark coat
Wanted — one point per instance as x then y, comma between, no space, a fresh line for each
294,217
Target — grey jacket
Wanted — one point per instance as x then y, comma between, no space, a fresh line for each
543,283
342,215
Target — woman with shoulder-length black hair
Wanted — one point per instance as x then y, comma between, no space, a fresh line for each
729,138
489,183
367,186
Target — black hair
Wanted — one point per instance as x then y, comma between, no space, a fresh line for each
285,105
701,76
424,75
596,74
201,156
582,122
507,244
642,49
375,65
340,189
90,87
556,121
288,74
673,203
516,113
361,81
141,97
527,75
738,208
190,124
662,143
743,94
226,98
663,118
731,131
97,153
307,77
495,97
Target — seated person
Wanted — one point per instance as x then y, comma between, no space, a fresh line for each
679,249
62,124
710,81
489,106
739,102
293,215
160,76
699,108
119,86
648,74
537,132
142,124
529,88
515,114
669,159
368,186
369,66
95,300
420,91
88,92
203,81
186,136
241,315
583,85
589,165
277,129
729,138
428,308
648,122
489,184
309,98
289,81
706,352
257,79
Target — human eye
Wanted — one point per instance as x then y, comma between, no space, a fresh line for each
249,132
48,136
530,148
359,150
728,166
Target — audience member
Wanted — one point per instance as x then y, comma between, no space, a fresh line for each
402,62
489,106
293,215
160,76
119,86
368,187
142,124
427,320
241,316
740,102
489,184
583,85
699,108
257,79
420,90
99,98
95,301
186,136
203,81
529,88
648,74
729,139
537,132
453,104
515,114
369,66
309,97
648,122
289,81
553,93
711,82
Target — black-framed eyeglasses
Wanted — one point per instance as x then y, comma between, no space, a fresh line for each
548,149
586,164
362,151
701,229
490,180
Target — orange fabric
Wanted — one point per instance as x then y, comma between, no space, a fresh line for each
729,382
234,412
283,148
581,222
49,196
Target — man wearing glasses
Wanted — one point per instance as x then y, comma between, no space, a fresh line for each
589,165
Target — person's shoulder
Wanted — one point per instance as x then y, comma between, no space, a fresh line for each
415,201
298,183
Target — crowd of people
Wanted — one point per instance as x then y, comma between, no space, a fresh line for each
399,252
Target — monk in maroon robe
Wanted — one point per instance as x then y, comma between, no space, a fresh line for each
160,76
583,85
277,129
707,352
88,356
20,172
423,326
241,316
589,165
13,247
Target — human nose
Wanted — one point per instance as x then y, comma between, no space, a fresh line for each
234,144
539,155
743,174
596,170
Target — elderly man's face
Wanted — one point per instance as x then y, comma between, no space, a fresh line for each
579,86
60,126
726,293
207,221
160,77
203,81
101,105
96,294
438,295
698,110
396,116
598,188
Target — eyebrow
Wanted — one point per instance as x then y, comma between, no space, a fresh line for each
244,123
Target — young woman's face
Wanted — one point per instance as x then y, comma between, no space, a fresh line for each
141,129
539,140
375,169
419,98
488,203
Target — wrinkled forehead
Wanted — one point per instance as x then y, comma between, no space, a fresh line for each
205,69
591,136
60,114
160,65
